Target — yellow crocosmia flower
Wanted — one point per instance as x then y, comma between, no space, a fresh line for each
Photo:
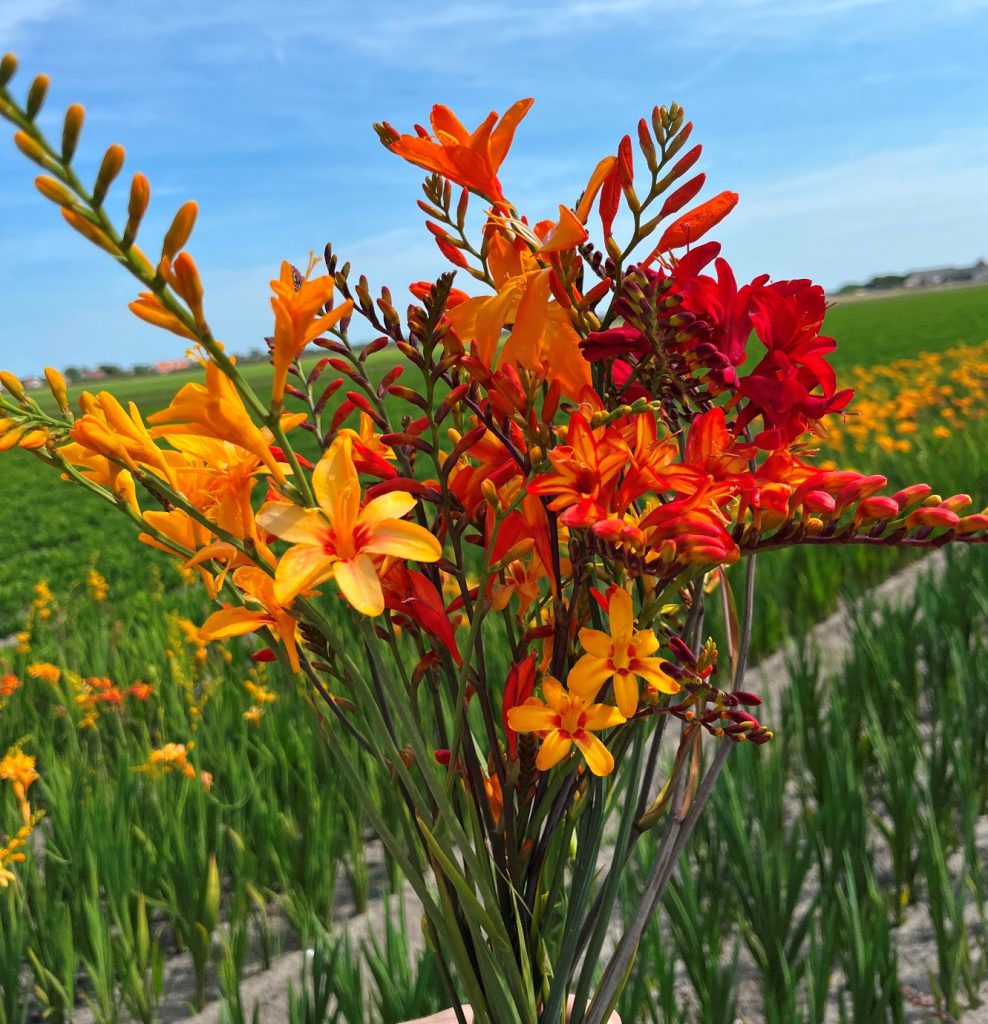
18,769
297,320
261,609
110,431
215,410
337,540
565,719
624,654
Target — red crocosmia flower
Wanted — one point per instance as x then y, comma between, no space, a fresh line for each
517,690
411,594
616,341
783,387
722,312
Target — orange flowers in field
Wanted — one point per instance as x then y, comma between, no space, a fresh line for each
339,539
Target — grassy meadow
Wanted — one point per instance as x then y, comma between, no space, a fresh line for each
191,805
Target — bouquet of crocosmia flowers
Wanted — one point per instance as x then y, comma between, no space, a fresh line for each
484,540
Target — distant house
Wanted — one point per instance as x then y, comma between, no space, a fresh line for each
172,365
32,383
93,375
937,276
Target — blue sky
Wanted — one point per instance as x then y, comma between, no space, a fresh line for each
855,131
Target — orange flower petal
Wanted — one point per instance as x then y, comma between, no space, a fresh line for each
598,757
603,716
587,676
532,718
554,748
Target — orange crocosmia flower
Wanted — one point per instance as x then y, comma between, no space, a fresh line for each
261,609
543,339
623,654
297,320
215,410
567,233
9,684
565,719
584,471
337,540
471,159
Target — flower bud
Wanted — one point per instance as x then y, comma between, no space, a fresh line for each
178,234
89,230
188,284
489,491
54,190
71,130
140,196
111,166
36,96
30,148
13,385
59,390
8,68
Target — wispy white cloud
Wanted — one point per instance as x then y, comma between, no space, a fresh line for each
890,210
16,16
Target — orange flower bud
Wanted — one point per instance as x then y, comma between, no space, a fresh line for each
71,130
59,390
54,190
188,284
36,96
33,439
111,166
178,233
12,384
140,196
8,68
30,148
89,230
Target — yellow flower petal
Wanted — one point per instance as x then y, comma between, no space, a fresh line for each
554,748
532,718
337,486
626,692
388,506
588,675
648,669
621,613
232,622
301,568
596,643
293,523
598,757
555,696
603,716
357,579
403,540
